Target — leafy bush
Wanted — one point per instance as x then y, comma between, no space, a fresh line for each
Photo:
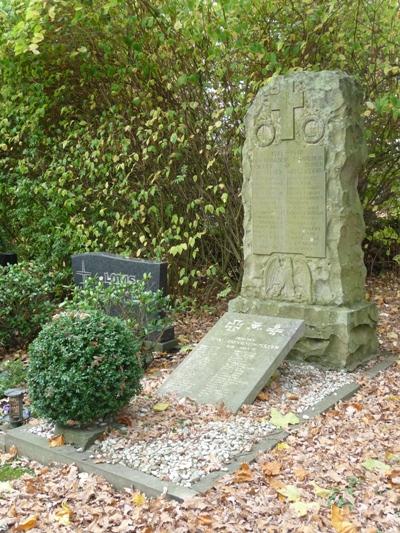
145,311
12,374
121,120
27,299
83,366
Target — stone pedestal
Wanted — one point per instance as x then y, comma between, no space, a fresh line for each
335,337
303,222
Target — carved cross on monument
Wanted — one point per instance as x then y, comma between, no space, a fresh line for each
286,102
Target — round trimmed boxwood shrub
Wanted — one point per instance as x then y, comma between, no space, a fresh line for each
83,366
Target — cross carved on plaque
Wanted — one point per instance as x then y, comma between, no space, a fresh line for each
286,102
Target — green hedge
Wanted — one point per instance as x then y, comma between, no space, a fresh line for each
121,121
28,296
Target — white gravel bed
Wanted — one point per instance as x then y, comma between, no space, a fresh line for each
192,451
310,383
43,429
206,441
190,454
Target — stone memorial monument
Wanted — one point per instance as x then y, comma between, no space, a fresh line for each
111,268
303,221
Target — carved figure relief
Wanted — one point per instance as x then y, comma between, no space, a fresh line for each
288,278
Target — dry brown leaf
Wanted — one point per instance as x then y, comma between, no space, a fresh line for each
205,520
27,524
271,468
340,522
56,441
263,396
243,475
332,413
394,477
125,420
292,396
12,512
276,483
300,473
12,452
31,485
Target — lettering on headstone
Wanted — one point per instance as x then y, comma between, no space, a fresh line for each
234,360
111,268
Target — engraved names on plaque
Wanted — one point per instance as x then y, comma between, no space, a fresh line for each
235,360
289,200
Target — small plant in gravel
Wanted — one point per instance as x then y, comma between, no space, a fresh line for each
343,497
26,302
83,366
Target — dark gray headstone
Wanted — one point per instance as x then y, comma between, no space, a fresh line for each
110,267
8,259
235,359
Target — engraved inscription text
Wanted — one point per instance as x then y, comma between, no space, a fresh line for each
289,200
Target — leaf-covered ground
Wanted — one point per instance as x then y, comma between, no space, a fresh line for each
339,472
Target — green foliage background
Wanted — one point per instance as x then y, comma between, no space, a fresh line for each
28,295
121,121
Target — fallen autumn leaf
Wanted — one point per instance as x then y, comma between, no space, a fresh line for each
56,441
27,524
159,407
243,475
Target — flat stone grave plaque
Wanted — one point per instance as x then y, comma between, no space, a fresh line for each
112,268
235,359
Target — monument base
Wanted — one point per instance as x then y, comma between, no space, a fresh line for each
335,337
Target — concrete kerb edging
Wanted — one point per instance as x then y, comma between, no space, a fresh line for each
2,442
266,444
119,476
37,448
